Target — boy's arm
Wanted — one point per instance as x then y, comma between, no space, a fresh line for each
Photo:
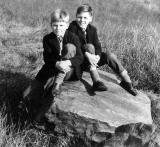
78,58
48,58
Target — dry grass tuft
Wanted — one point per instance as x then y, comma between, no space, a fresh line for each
127,28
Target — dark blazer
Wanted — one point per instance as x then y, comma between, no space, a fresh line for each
91,36
51,55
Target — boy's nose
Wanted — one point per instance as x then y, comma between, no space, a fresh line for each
58,27
82,19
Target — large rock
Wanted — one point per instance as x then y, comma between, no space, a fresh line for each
78,110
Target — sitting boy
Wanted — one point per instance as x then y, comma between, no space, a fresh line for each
91,48
62,57
62,53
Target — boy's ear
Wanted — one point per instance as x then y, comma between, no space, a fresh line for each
91,18
67,25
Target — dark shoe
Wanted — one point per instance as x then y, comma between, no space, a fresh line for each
128,87
56,90
22,107
99,86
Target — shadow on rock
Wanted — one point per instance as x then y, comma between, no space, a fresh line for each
88,87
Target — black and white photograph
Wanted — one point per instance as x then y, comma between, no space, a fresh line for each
79,73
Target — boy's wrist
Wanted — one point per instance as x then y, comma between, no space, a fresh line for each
57,63
68,62
98,57
87,54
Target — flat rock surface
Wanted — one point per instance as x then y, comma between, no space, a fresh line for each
114,107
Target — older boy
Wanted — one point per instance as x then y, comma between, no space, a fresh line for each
92,51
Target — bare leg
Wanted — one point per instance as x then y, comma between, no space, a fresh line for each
98,85
68,52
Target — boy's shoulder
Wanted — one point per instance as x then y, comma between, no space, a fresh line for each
49,36
73,25
70,34
92,27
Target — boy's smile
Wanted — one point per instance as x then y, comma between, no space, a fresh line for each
83,19
59,28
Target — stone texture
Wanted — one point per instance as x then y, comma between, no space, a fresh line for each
79,110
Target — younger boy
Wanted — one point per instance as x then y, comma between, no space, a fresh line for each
92,50
62,53
62,57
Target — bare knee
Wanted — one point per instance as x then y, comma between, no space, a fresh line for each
69,51
89,48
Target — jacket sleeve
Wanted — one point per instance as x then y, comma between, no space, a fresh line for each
97,44
78,59
71,28
48,57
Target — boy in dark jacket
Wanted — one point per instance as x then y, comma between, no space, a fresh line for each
92,51
62,53
62,57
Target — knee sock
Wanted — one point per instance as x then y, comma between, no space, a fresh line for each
125,77
94,74
60,77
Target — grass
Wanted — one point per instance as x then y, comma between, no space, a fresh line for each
11,137
127,28
138,49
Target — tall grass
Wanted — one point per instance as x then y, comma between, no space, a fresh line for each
133,35
128,29
138,49
9,137
12,136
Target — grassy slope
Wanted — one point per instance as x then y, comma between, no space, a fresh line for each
127,28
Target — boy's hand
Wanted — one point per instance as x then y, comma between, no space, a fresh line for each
98,58
64,65
93,59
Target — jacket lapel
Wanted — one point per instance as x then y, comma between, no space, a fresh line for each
55,43
81,34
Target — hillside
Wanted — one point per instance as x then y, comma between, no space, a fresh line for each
129,28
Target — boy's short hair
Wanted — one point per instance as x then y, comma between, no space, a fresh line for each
84,8
59,15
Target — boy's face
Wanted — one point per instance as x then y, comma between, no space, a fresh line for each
83,19
59,28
